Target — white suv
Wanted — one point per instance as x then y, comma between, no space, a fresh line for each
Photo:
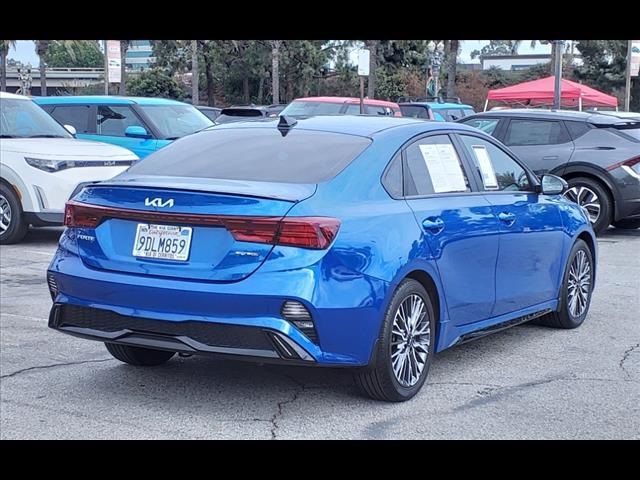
42,165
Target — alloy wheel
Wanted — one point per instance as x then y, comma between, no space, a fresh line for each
579,284
586,198
5,214
410,340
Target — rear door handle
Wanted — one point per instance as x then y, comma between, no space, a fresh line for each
507,217
433,225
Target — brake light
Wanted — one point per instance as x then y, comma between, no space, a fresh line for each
304,232
628,163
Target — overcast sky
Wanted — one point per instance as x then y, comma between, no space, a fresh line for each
25,50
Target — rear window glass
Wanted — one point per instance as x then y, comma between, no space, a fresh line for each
630,131
414,111
303,108
577,129
256,154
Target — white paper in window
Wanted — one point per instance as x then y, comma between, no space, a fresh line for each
444,168
486,167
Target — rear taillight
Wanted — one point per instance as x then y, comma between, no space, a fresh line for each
631,166
305,232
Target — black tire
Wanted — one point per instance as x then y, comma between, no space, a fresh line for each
627,223
606,202
17,228
138,356
563,318
378,380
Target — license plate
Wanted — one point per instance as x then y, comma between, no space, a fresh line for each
164,242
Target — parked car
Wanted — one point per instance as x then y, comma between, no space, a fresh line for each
238,113
143,125
308,106
42,164
598,154
441,110
350,241
211,112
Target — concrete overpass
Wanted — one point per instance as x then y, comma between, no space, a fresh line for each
59,80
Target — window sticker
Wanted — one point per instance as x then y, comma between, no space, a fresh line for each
486,167
444,168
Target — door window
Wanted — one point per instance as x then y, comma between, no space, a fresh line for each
499,172
535,132
433,166
75,115
487,125
113,120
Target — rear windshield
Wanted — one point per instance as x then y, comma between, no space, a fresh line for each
256,154
304,108
414,111
632,131
236,114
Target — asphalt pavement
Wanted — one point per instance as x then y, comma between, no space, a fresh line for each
526,382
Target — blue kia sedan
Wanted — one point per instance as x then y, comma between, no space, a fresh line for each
364,242
142,125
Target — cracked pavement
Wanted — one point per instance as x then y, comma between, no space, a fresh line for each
526,382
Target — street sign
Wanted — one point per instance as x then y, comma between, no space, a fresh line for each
113,57
363,62
635,58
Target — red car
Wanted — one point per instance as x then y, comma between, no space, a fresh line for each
307,106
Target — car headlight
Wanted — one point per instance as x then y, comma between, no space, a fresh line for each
49,165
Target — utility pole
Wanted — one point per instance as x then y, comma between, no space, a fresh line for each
627,85
195,76
106,68
557,89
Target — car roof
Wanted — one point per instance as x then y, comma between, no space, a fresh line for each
367,101
206,107
590,117
13,96
108,99
437,105
361,125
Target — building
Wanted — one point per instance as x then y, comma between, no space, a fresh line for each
139,55
520,62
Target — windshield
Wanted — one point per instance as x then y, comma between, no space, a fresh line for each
24,119
175,121
304,109
256,154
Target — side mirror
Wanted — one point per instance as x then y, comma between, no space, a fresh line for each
71,129
136,131
553,185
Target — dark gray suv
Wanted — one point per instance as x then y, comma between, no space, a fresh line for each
597,153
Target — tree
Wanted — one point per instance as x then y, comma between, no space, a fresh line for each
372,45
275,70
5,45
84,54
155,82
453,46
42,46
124,46
195,77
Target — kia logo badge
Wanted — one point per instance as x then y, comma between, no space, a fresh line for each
158,202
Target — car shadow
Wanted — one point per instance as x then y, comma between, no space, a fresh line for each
615,233
43,235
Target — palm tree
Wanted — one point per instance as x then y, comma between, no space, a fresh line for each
372,45
195,75
452,66
5,45
124,46
275,70
41,50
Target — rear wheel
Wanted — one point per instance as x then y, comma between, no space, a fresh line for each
138,356
575,295
405,346
627,223
12,225
594,197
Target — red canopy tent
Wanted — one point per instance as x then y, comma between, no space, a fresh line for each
540,92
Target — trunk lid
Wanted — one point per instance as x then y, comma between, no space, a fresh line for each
198,204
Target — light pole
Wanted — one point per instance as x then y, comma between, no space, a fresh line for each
25,78
557,88
435,56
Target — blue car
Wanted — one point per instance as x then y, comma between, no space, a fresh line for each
143,125
344,241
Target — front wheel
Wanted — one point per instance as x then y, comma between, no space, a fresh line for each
576,290
405,346
138,356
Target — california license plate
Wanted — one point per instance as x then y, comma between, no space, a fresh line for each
164,242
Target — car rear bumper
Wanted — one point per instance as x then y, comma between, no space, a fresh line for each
221,317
